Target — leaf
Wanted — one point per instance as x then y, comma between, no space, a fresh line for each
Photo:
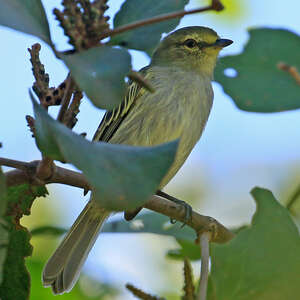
123,176
188,249
100,73
147,37
151,223
262,262
16,279
26,16
259,85
49,230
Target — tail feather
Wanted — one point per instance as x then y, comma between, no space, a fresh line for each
63,268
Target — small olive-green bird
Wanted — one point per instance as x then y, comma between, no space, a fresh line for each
180,71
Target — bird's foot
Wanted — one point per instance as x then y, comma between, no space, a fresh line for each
188,209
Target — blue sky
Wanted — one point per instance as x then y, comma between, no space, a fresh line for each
238,150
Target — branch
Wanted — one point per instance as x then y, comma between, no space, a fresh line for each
215,5
200,223
13,163
219,233
66,98
294,197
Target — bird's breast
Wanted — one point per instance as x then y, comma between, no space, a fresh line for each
178,109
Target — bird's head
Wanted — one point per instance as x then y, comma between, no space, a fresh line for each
194,48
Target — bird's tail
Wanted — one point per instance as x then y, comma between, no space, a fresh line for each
63,268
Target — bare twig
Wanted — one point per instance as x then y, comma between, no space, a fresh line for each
215,5
138,78
219,233
14,163
200,223
293,198
204,244
69,85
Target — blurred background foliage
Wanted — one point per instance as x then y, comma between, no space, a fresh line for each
238,150
236,11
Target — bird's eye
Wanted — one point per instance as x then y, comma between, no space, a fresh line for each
190,43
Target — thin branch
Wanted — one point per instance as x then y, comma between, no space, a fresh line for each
200,223
138,78
215,5
293,198
14,163
66,98
59,175
204,244
219,233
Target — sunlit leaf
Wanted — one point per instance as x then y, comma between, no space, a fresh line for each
123,176
147,37
235,12
27,16
253,79
16,280
188,249
48,230
262,262
100,73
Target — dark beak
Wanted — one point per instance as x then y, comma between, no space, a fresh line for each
223,43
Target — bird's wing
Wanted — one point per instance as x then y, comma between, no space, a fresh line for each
112,119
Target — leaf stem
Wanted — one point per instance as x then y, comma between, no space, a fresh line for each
204,244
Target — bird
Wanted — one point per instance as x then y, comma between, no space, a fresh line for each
181,70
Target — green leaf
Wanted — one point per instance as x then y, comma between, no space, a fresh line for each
49,230
259,85
262,262
123,176
16,280
151,223
147,37
27,16
188,249
100,73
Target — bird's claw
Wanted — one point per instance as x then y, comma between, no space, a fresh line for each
188,212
